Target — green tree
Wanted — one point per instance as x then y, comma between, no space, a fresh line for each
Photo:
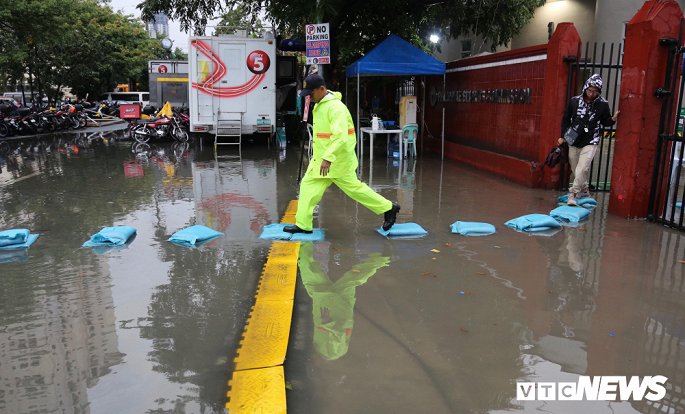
358,25
160,53
239,18
85,45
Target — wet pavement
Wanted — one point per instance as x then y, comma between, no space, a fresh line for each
443,324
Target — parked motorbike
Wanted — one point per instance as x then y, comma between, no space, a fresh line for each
160,128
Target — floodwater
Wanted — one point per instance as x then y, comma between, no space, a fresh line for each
442,324
151,328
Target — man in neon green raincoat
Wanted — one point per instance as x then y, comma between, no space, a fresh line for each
334,160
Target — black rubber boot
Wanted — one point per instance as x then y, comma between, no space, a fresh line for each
294,229
390,216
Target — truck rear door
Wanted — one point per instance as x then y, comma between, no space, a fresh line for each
233,56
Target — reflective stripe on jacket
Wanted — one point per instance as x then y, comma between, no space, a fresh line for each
334,137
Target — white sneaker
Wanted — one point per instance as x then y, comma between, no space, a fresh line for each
584,194
571,200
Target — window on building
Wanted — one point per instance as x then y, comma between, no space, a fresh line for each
466,48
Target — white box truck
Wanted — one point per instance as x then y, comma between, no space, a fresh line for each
232,86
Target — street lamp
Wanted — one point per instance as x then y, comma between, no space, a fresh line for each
434,38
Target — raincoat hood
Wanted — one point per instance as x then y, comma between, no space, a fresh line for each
594,80
330,96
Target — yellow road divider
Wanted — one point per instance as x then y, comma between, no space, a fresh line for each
258,383
265,338
258,391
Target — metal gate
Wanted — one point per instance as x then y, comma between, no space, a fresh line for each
607,61
667,193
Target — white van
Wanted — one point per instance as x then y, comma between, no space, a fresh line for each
127,97
19,97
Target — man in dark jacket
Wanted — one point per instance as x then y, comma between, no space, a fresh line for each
581,128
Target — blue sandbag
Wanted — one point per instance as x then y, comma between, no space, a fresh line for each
471,228
13,236
569,214
111,236
533,222
587,202
275,232
403,230
16,239
194,234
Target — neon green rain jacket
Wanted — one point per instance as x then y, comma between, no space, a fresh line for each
334,137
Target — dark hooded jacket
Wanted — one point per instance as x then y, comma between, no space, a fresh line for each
591,116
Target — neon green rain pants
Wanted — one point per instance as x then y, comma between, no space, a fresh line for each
313,186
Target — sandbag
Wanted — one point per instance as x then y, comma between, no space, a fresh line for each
404,230
470,228
587,202
275,232
533,223
190,236
569,214
16,239
111,236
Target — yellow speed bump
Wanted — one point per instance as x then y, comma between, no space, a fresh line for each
265,339
289,216
258,384
278,282
258,391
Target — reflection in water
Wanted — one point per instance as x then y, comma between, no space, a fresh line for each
148,328
611,312
57,337
333,302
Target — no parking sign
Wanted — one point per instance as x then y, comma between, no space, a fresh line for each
318,44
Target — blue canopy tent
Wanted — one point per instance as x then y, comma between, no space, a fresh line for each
396,57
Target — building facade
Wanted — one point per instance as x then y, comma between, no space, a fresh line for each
601,21
159,26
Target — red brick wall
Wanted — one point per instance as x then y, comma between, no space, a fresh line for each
510,129
508,139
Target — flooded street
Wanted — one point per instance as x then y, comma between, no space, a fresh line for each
149,328
442,324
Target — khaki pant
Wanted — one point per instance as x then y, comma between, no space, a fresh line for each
581,159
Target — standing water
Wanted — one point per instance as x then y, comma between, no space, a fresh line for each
442,324
151,327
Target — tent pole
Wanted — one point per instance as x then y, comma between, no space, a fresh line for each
360,138
443,117
423,110
443,134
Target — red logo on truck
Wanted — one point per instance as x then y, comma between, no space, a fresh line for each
258,62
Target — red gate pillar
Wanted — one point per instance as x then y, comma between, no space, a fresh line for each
644,70
564,42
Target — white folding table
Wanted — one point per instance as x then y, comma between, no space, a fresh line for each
372,132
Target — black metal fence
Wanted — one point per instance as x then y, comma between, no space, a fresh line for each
607,61
667,193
